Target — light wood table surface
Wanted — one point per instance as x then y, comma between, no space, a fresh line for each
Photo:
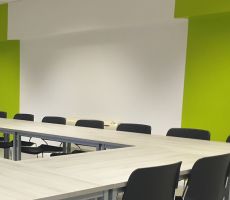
99,173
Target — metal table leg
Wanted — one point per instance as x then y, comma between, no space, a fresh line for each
6,151
113,194
68,147
17,147
101,147
64,147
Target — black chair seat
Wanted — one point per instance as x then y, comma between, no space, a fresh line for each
208,178
189,133
6,145
26,143
90,123
228,139
134,128
49,148
31,150
178,198
155,183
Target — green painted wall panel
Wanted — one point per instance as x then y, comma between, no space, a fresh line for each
9,76
9,67
3,21
189,8
207,80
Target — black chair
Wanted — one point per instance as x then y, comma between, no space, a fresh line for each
3,115
46,148
90,123
26,117
208,178
135,128
189,133
155,183
83,123
228,139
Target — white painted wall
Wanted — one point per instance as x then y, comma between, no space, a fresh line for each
117,60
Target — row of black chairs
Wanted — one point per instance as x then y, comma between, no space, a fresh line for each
208,180
136,128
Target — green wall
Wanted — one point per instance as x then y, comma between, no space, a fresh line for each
189,8
207,79
3,21
9,67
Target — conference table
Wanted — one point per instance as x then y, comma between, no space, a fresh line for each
99,174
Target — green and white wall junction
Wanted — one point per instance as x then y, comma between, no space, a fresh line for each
121,60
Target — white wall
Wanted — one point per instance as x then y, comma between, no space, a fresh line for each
117,60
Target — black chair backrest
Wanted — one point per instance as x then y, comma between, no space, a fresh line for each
54,120
155,183
3,114
90,123
228,139
22,116
208,178
135,128
189,133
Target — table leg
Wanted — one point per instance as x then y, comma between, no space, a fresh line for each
68,147
64,147
113,194
6,151
101,147
106,195
17,147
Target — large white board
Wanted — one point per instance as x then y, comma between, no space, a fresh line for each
101,59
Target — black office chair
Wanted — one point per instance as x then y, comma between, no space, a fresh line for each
207,179
228,139
46,148
26,117
90,123
3,115
135,128
87,124
155,183
189,133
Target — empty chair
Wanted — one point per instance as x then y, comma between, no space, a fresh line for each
46,148
83,123
189,133
90,123
207,179
135,128
228,139
2,115
155,183
26,117
23,116
54,120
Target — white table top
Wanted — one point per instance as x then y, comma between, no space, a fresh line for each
91,172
